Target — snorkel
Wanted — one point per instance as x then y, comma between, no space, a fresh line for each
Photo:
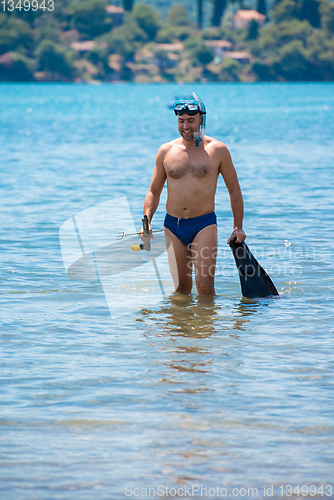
192,107
199,136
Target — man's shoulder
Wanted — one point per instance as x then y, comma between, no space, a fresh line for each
216,145
168,146
214,142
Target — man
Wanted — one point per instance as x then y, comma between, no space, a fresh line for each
191,165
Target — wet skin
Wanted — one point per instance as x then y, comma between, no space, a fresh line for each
192,174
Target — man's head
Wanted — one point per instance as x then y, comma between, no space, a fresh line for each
191,118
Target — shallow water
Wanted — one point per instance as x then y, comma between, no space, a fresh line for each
185,392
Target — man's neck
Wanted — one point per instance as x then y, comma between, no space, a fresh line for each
191,144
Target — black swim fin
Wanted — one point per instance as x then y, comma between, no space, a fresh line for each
254,281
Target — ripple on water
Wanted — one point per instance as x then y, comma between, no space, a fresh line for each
227,391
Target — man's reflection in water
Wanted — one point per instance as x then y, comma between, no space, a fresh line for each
202,316
199,356
199,332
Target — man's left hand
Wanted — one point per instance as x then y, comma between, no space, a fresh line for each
237,233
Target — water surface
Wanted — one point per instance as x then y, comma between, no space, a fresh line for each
230,392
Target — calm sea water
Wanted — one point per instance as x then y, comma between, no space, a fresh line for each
184,394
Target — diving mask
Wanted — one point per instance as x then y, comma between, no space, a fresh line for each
190,108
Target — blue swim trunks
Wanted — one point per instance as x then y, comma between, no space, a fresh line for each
186,228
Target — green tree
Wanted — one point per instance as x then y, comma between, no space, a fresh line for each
218,9
99,57
90,17
178,16
286,10
275,36
128,4
15,34
203,54
18,68
292,62
230,70
148,19
263,71
47,28
327,16
199,14
162,60
310,10
320,49
126,39
61,13
54,59
173,33
262,7
193,42
253,30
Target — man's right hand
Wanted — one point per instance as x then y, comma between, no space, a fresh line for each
146,237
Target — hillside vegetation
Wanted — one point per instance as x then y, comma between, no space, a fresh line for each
81,41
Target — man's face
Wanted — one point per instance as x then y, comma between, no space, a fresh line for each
187,125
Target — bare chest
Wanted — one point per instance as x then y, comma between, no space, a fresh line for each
181,166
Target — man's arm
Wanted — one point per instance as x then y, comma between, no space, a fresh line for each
157,183
231,181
